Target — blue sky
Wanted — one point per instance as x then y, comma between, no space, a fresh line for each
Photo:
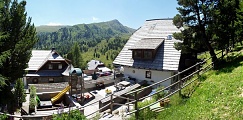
131,13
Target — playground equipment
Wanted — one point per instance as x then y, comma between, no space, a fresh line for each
77,83
59,95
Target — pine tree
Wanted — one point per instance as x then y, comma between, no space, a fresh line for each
75,56
239,24
107,58
17,38
196,15
211,23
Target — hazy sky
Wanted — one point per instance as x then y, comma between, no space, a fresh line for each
131,13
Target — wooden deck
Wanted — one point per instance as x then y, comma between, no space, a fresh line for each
122,92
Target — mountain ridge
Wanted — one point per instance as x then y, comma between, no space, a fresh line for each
101,41
53,28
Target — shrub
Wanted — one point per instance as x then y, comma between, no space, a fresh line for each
73,115
33,101
3,117
160,94
145,114
19,92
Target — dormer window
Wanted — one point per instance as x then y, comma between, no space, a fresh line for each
146,48
50,66
148,54
143,54
59,66
137,54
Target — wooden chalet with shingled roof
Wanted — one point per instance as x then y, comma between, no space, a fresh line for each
149,54
46,66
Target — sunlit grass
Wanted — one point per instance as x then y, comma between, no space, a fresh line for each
220,96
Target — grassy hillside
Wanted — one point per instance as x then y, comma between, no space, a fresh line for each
45,28
106,56
219,96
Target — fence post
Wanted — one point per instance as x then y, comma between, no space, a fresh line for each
180,83
128,109
136,106
222,56
111,103
198,70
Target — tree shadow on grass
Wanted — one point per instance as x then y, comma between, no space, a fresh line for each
190,89
202,78
238,48
229,65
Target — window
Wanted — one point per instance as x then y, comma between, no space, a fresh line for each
137,54
50,66
148,74
51,80
59,66
148,54
143,54
169,37
35,80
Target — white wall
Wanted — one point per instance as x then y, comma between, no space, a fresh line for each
155,75
25,82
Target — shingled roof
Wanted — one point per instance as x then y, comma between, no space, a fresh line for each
148,43
40,57
153,31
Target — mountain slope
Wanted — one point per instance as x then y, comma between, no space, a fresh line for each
101,41
45,28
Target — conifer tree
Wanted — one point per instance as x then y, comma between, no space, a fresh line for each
75,56
196,15
17,38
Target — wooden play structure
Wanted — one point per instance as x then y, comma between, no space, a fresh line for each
77,84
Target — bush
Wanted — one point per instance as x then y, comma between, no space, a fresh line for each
19,92
145,114
3,117
160,94
74,115
33,101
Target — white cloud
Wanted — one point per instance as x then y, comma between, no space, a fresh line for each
95,18
54,24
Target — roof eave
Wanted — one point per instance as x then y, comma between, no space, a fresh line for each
151,68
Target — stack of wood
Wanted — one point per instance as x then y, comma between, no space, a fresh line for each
160,106
165,102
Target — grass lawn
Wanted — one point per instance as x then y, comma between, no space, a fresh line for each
218,96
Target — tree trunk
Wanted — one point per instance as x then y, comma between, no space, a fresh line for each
212,54
203,33
233,33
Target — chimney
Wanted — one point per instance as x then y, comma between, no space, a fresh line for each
52,49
